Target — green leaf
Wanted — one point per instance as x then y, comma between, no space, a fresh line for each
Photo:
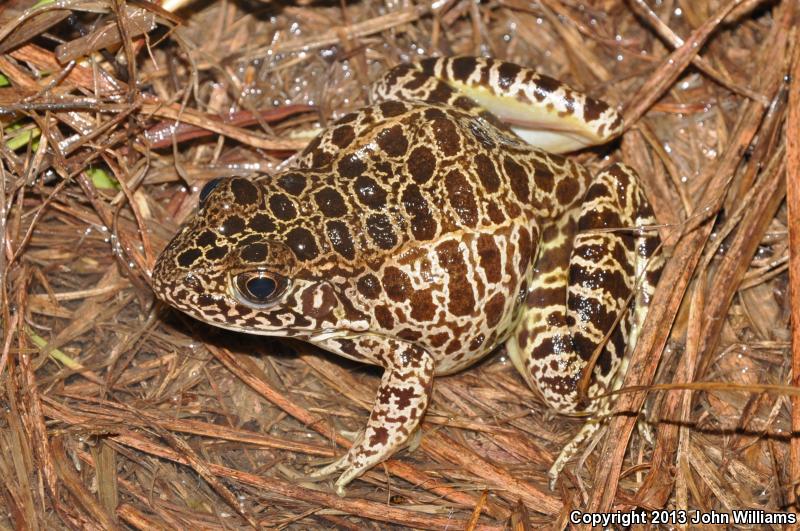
56,354
4,82
23,139
102,179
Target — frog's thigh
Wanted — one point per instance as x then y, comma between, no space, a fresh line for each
543,111
579,289
400,404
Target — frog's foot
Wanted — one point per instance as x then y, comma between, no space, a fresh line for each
336,466
571,449
401,401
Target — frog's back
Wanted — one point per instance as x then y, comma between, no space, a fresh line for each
399,176
428,218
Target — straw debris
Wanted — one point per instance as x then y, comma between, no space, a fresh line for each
120,413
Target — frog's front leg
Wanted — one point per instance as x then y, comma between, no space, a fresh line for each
401,401
544,112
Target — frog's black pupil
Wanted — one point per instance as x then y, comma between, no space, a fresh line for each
207,189
261,287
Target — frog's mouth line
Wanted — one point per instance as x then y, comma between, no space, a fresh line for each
283,331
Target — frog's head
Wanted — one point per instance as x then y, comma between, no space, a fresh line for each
239,264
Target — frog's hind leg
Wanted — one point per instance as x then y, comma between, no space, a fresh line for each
594,265
541,110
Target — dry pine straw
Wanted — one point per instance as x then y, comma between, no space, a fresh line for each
120,413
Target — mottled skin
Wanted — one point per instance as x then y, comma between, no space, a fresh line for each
423,231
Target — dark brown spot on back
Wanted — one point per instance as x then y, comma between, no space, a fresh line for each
392,108
437,340
525,250
396,284
244,192
379,228
567,191
232,226
302,243
321,158
453,347
496,214
392,141
282,207
487,173
343,136
351,166
518,178
369,286
423,225
422,307
421,164
461,300
293,183
446,135
207,239
370,192
341,241
261,223
217,253
188,257
330,202
489,258
544,178
494,309
384,317
462,198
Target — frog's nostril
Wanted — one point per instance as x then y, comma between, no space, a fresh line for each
191,281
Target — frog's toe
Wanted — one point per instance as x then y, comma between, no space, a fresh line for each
414,440
328,470
354,463
347,476
588,430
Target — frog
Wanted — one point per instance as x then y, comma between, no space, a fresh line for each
427,229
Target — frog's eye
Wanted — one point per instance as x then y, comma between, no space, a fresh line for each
207,189
258,288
